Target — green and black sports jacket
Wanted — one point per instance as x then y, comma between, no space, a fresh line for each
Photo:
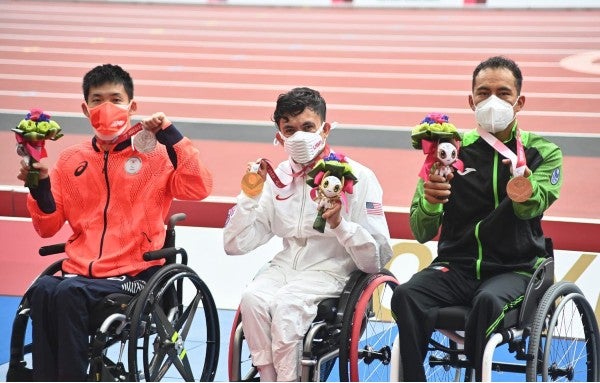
480,226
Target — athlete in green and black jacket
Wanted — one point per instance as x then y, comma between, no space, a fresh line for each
488,243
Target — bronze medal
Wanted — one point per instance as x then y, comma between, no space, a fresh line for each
252,184
144,141
519,189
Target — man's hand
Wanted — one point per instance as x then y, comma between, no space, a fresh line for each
156,122
526,172
259,167
24,171
437,188
333,215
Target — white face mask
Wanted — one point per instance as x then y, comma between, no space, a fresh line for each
303,146
494,114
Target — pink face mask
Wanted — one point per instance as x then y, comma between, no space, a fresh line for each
109,120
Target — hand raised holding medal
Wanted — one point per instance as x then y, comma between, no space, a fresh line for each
145,140
253,182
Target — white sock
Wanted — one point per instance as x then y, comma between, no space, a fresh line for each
267,373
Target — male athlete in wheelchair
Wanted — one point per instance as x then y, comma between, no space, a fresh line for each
115,192
490,245
354,332
318,255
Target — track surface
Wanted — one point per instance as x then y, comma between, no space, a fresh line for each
217,70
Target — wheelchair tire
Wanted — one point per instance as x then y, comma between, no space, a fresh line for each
564,342
161,345
239,366
17,367
368,330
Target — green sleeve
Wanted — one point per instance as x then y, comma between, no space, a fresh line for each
425,218
546,181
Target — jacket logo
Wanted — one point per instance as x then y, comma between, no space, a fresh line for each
466,171
81,168
280,198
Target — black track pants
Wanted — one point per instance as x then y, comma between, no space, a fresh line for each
415,305
60,316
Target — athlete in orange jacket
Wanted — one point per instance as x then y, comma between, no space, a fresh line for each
115,197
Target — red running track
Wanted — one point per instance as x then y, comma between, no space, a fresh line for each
377,68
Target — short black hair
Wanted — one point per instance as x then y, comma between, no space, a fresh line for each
294,102
107,73
497,62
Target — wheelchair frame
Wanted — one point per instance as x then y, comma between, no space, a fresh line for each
343,332
155,322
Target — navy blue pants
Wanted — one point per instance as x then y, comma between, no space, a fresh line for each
415,305
60,315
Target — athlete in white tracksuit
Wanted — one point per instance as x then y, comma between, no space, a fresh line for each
280,303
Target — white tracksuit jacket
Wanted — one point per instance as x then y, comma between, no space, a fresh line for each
280,303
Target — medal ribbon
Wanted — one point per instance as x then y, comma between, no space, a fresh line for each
127,135
517,160
301,172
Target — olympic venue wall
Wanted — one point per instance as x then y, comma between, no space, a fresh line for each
576,242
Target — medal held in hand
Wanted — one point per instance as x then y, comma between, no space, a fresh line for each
252,182
31,134
144,141
519,189
331,178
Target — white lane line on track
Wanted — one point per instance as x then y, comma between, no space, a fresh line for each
279,87
276,72
295,47
295,36
283,58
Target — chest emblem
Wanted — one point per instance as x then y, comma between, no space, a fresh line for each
133,165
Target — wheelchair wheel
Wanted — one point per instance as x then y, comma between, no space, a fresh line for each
162,343
19,345
240,367
564,342
444,361
368,330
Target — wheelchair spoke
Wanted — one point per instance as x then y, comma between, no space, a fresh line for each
182,363
187,317
163,325
173,343
159,355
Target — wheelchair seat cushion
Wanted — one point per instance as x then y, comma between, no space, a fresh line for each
454,318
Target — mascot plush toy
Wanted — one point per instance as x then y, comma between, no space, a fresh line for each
31,134
440,142
331,178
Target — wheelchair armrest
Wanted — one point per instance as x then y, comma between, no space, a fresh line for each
167,253
52,249
541,280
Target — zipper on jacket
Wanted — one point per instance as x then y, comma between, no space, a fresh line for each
105,214
301,220
496,202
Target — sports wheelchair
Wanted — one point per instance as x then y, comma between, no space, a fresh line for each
355,331
153,327
553,334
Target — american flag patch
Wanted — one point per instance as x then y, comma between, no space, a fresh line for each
443,269
374,208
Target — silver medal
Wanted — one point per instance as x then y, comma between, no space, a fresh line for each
144,141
